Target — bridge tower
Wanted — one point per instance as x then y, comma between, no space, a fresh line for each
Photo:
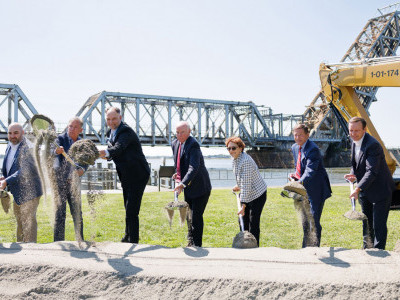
380,37
15,107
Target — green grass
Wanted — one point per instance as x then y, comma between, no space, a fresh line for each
279,223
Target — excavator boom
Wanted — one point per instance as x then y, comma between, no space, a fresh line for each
339,80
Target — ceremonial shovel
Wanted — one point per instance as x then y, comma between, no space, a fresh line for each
353,214
244,239
173,205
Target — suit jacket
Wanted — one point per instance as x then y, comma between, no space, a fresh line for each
65,168
126,152
313,174
23,178
194,174
373,175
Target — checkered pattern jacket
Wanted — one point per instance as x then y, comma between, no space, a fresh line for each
248,178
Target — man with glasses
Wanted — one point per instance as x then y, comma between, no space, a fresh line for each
191,177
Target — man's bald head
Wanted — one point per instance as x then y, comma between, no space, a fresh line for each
182,131
15,133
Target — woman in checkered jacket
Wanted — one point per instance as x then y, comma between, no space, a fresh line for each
253,189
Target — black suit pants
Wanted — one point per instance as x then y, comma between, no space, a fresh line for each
133,193
252,215
66,194
195,227
375,227
312,236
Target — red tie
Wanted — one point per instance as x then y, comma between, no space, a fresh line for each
178,164
298,167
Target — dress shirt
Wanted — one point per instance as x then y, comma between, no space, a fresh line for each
11,155
357,148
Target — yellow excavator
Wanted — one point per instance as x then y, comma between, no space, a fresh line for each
339,82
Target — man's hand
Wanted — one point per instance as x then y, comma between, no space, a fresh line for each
350,177
3,184
59,150
355,193
179,188
80,171
102,154
174,176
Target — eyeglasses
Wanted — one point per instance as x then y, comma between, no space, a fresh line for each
231,148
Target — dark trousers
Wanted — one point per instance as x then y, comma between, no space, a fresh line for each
195,218
252,215
316,212
66,195
133,193
375,228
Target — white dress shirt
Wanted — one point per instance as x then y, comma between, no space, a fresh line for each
11,155
357,148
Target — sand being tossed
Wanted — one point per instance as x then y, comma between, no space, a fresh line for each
113,270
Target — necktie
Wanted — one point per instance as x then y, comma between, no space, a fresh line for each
178,164
298,167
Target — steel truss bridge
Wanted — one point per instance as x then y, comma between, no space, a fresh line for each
212,121
380,37
154,117
14,107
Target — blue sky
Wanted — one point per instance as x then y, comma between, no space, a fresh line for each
268,52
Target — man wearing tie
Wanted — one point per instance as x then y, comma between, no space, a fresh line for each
192,177
312,174
374,183
22,178
125,150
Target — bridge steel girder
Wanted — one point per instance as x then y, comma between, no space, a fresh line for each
380,37
14,107
154,118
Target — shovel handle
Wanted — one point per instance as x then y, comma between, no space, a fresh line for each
239,208
67,157
176,196
353,203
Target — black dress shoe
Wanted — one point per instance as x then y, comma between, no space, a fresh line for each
125,239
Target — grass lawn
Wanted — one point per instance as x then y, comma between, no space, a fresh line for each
279,224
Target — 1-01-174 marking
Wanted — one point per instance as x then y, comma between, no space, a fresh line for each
388,73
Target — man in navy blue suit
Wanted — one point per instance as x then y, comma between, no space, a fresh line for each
192,177
68,189
21,177
374,183
312,174
125,150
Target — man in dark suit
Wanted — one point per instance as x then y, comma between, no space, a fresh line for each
68,189
125,150
374,183
312,174
192,177
22,178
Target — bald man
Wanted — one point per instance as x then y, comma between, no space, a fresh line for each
191,177
21,177
125,150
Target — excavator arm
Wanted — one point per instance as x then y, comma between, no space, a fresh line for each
339,80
